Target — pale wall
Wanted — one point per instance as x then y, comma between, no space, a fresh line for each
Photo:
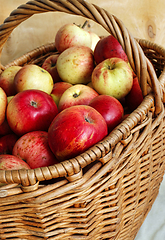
143,18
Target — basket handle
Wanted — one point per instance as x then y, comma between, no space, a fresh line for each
138,61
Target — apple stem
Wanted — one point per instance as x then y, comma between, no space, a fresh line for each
84,25
111,67
75,95
87,120
33,104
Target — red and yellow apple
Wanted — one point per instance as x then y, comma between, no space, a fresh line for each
10,162
58,89
112,77
78,94
30,110
7,80
33,77
49,65
110,108
75,65
34,149
74,130
70,35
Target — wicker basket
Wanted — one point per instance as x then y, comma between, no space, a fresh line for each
106,192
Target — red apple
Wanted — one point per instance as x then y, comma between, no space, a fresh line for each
112,77
109,47
33,77
58,89
110,108
50,65
10,162
3,105
4,128
78,94
75,65
134,98
74,130
7,143
30,110
7,80
70,35
33,148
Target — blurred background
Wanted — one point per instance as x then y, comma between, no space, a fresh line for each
144,19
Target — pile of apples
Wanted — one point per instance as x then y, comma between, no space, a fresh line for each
56,111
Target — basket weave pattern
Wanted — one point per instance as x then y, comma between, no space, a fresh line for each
106,192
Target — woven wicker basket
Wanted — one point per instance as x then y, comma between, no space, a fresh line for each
106,192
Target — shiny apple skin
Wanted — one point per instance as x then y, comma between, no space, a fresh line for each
74,130
33,148
109,47
110,108
30,110
78,94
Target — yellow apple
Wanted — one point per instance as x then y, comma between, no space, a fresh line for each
33,77
75,65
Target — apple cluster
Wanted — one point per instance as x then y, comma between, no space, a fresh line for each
56,111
